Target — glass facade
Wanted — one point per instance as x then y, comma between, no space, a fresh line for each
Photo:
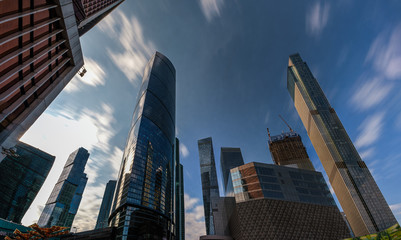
63,203
358,193
229,158
143,205
210,187
259,180
179,194
21,177
104,212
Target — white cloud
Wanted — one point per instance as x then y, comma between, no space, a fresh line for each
371,130
371,93
396,207
385,53
136,50
211,8
93,77
367,153
317,18
190,202
267,117
194,218
184,150
61,134
398,122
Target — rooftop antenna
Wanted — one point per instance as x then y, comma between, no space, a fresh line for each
268,133
286,123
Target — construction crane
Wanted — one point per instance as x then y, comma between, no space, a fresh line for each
268,133
286,123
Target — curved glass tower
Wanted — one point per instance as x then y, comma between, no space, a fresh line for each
143,206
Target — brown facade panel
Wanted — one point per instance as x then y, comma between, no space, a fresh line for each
8,47
8,28
8,7
275,219
9,65
41,16
26,21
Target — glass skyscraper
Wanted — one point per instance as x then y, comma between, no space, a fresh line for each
179,194
21,177
229,158
104,211
143,206
364,205
63,203
210,187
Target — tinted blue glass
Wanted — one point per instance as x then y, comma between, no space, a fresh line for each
63,203
21,177
144,199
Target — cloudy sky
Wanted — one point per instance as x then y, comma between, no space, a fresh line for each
231,59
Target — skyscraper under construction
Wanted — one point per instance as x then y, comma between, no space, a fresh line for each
288,150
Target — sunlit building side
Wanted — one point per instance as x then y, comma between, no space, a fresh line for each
361,199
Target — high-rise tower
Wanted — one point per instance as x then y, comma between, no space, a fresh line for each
21,176
288,150
143,206
63,203
229,158
210,187
89,12
104,211
179,194
40,52
364,205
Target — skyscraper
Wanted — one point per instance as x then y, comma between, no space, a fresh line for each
143,206
40,53
104,211
210,187
63,203
364,205
21,177
179,194
287,149
229,158
89,12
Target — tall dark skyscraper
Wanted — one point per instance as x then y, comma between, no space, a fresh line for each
104,211
179,194
229,158
210,187
364,205
40,52
63,203
287,149
21,177
143,207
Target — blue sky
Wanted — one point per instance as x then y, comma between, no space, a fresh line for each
231,59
